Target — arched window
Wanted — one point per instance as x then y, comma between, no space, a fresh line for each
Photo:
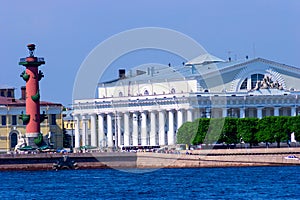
120,94
13,140
244,84
255,78
146,92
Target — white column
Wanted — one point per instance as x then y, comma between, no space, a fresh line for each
224,112
93,130
152,128
144,129
208,112
293,111
198,113
276,111
101,136
171,133
242,112
259,113
115,134
84,130
119,124
161,116
109,130
189,115
179,118
135,129
126,129
77,135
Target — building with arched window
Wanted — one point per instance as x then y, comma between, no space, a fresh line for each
13,129
157,100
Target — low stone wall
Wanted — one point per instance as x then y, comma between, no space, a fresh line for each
219,158
199,158
249,151
150,161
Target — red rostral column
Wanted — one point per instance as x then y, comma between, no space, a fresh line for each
32,76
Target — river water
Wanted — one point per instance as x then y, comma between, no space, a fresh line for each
189,183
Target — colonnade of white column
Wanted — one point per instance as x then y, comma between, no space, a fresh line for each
148,128
144,128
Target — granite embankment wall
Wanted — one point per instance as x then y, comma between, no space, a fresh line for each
221,158
45,161
199,158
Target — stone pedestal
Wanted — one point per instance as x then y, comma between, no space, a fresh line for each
30,139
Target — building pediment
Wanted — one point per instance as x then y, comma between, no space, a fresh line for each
259,74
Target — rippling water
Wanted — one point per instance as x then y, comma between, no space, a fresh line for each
196,183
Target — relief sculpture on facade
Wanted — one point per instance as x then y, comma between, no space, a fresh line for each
268,83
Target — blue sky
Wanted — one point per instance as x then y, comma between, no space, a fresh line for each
66,31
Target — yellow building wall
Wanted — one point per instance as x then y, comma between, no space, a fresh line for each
69,125
46,127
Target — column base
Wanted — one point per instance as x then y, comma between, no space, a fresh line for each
29,138
30,142
111,149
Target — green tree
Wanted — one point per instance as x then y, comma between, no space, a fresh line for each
214,131
186,133
265,130
229,131
294,125
202,125
281,129
247,129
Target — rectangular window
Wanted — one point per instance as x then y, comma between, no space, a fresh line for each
3,119
9,94
53,119
14,120
255,78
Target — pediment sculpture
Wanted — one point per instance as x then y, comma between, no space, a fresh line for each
268,83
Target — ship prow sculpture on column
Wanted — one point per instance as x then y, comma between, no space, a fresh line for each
32,117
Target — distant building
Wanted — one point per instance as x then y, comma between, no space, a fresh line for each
148,105
12,128
68,127
7,92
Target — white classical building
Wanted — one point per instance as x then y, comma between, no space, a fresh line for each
146,106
